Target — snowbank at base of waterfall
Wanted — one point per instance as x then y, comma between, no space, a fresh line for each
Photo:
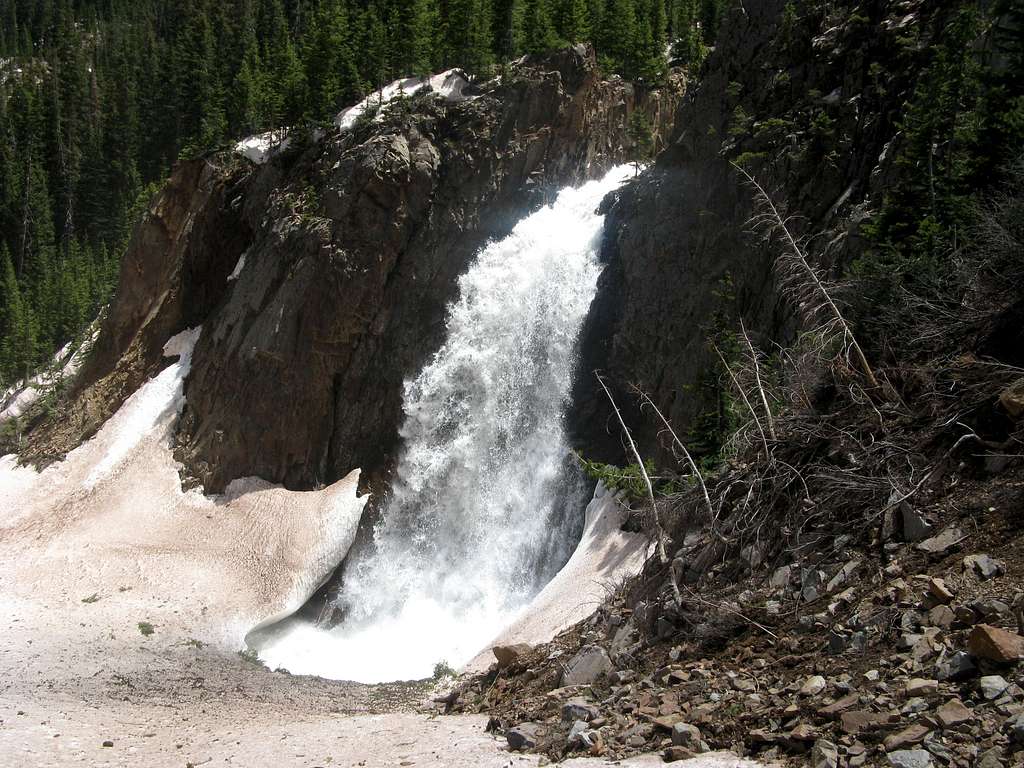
483,508
605,557
113,517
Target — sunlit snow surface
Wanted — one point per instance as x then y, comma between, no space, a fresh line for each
483,511
450,85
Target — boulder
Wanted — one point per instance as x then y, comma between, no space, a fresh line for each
859,720
675,753
686,735
1012,399
913,734
507,655
915,526
581,736
824,754
941,616
937,588
813,686
579,709
921,687
995,644
983,566
524,736
940,545
992,686
959,666
953,713
586,666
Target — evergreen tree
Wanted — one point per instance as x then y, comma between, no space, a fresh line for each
574,21
538,28
508,29
618,36
18,346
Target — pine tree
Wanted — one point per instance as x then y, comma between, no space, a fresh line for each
414,37
574,21
466,35
538,28
651,63
18,345
508,28
618,36
688,48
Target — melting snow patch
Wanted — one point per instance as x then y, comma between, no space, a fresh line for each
65,364
262,147
144,410
450,85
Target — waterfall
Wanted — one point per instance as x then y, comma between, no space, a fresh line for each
484,509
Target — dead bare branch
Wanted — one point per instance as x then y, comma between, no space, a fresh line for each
643,470
774,220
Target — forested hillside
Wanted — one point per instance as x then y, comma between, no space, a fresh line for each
98,98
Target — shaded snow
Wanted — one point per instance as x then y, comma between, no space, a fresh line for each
65,364
158,397
605,557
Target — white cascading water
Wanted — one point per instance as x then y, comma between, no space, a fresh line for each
483,511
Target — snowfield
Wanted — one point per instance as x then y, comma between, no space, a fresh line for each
113,513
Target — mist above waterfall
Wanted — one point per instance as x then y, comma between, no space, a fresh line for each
485,507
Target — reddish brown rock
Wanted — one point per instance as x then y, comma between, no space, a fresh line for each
862,720
910,735
507,655
995,644
952,713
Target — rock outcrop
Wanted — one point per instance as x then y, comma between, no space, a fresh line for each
321,277
682,262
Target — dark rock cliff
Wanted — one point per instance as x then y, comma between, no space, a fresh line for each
357,245
810,112
352,246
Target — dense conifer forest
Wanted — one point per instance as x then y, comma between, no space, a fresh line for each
98,98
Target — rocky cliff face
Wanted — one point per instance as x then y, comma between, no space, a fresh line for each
347,250
811,121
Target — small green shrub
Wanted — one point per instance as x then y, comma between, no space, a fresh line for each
443,670
146,628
